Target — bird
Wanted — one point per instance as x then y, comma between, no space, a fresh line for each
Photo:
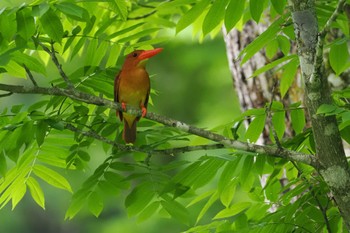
132,88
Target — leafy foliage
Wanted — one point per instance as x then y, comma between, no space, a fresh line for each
223,189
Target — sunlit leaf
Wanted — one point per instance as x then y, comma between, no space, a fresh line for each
234,12
255,128
176,210
150,210
36,192
233,210
214,16
120,7
288,75
191,15
25,23
52,25
95,203
298,119
256,8
72,10
338,57
279,5
269,34
139,198
18,193
51,177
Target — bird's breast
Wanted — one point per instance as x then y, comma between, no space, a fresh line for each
133,87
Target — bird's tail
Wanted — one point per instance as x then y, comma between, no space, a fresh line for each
129,132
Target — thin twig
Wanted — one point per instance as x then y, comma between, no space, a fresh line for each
52,53
269,115
30,75
142,16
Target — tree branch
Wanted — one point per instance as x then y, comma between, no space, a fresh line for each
122,147
226,142
333,17
30,75
53,56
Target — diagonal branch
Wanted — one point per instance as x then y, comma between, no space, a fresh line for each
226,142
53,56
30,75
333,17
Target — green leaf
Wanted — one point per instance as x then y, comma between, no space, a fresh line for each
18,193
338,56
256,8
215,16
273,64
8,26
39,10
124,31
298,119
199,173
3,164
139,198
228,192
95,203
77,47
114,52
15,70
150,210
72,10
83,155
288,75
201,197
278,119
279,6
328,109
78,201
52,25
191,15
345,134
30,62
25,23
271,49
255,128
233,210
138,35
234,12
36,192
122,166
283,44
176,210
120,7
40,133
207,205
51,177
269,34
246,169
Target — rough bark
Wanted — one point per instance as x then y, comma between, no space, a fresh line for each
329,149
258,91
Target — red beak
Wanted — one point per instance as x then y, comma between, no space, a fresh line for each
149,53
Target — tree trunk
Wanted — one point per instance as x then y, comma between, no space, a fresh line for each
329,149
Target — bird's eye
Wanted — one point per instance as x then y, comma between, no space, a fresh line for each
134,54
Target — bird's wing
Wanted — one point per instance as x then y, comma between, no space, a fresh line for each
116,91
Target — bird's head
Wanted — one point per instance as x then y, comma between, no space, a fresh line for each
138,58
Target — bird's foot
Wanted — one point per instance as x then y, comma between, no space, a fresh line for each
144,111
124,106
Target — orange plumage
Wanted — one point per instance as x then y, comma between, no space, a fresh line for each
132,87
